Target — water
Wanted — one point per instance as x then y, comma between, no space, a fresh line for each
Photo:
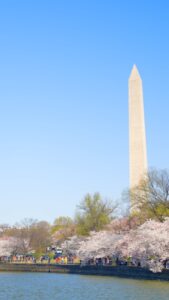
42,286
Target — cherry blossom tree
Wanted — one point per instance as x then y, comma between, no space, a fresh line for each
147,245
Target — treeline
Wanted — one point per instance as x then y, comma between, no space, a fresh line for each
150,200
92,214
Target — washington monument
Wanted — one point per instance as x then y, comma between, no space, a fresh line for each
137,136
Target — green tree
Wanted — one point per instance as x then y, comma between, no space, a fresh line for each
31,235
40,236
62,222
63,228
93,214
151,197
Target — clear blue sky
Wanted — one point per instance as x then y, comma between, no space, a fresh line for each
64,68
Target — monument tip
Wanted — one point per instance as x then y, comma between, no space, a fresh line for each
134,73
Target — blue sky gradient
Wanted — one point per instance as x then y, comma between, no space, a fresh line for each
64,68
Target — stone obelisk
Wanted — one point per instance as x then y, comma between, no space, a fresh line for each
137,136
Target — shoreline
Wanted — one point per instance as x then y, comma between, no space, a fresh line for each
116,271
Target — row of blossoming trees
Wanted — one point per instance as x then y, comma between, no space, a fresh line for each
141,237
147,245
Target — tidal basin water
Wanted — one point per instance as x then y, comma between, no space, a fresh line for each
38,286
